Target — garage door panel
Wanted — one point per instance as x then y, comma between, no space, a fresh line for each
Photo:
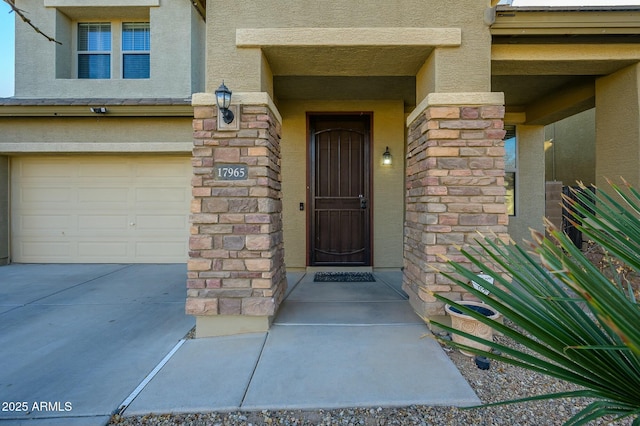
46,167
100,209
45,223
171,169
97,250
46,194
153,253
45,249
166,195
102,222
159,223
104,170
103,195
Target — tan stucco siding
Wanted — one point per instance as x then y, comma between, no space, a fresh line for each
618,126
466,68
94,130
529,183
570,149
48,71
388,181
4,210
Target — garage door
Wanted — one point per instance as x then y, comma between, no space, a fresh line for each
95,209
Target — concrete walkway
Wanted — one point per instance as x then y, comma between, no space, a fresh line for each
332,345
84,338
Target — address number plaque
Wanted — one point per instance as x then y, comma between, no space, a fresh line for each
230,172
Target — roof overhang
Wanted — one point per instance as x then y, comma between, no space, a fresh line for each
562,21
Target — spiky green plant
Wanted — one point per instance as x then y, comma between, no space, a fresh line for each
577,324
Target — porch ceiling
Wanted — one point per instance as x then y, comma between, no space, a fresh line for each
528,74
347,60
346,88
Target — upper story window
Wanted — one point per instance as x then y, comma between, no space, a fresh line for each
94,50
135,49
98,55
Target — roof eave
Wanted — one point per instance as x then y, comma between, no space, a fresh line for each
526,21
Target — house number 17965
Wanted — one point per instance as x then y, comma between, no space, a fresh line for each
231,172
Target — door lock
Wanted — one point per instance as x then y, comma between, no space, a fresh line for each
363,201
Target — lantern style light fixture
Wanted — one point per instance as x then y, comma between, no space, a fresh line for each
386,157
223,99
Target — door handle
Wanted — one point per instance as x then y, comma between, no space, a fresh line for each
363,201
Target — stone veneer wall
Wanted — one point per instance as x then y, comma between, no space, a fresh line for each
236,257
454,188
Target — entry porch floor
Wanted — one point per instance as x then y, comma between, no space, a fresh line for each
332,345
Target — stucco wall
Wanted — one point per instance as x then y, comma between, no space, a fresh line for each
388,181
463,69
120,130
4,210
48,70
570,155
618,126
530,186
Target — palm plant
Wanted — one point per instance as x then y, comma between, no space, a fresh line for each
578,324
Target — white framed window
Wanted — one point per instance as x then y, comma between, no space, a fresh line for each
511,168
115,49
94,50
136,47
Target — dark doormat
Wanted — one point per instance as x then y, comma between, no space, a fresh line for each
340,277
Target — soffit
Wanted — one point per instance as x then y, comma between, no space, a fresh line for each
91,13
346,88
523,90
347,61
347,51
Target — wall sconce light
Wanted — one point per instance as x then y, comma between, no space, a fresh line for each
386,157
223,99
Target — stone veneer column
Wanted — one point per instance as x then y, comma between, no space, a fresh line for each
454,188
236,273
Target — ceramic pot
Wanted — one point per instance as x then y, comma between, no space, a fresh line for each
463,322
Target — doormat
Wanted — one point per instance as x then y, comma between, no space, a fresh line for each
342,277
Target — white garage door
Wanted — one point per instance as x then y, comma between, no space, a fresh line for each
99,209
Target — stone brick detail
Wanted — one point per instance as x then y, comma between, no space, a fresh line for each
454,189
236,252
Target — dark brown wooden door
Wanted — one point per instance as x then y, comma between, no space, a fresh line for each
340,198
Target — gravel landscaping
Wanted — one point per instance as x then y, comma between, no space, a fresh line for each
501,382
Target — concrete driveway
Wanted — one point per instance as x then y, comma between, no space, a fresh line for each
76,340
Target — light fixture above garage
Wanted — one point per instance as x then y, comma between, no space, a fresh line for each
223,100
386,157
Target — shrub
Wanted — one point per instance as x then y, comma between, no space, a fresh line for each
578,323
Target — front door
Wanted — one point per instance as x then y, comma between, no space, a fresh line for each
340,201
